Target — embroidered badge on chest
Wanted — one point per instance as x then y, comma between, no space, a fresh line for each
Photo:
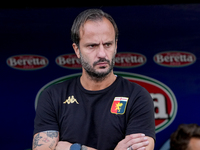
70,100
119,105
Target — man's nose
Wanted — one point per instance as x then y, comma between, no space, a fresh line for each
101,52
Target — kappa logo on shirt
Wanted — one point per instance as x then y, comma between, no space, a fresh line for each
70,100
119,105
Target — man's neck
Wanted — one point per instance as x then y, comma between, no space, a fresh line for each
93,85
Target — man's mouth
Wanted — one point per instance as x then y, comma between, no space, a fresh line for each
101,62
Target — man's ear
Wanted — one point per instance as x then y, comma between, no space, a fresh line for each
76,50
116,46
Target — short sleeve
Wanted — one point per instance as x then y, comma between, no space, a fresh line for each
45,118
141,116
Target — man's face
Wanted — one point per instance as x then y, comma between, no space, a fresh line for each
194,144
97,47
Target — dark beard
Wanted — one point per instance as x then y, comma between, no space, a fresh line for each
97,76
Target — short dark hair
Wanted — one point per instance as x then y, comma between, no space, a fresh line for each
89,14
180,139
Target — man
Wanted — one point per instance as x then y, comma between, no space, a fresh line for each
186,137
98,110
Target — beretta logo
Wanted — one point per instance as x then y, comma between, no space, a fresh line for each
129,60
69,61
174,58
27,62
165,104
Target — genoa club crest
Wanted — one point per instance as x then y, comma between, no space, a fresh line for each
119,105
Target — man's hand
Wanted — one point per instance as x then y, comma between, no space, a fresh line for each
136,141
63,145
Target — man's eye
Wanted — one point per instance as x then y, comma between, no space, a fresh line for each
107,44
91,46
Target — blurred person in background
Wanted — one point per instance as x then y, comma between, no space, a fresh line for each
186,137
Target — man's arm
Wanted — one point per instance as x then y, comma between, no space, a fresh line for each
151,143
136,141
63,145
46,140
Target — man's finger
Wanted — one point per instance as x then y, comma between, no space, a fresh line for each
137,140
136,135
140,146
133,136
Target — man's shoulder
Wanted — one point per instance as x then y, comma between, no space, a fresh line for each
129,83
131,86
62,84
